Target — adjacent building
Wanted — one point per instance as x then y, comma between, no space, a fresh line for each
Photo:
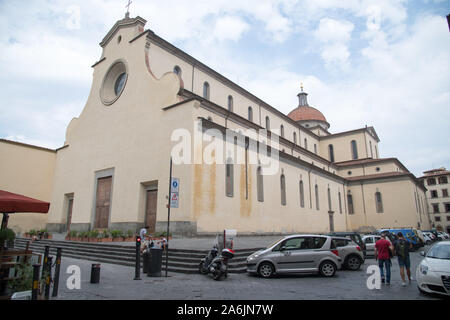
438,199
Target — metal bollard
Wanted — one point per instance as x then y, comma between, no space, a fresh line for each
48,278
137,273
35,286
95,273
57,271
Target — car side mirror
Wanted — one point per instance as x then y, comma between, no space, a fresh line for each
422,253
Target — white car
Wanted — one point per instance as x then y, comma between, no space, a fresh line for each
427,239
433,273
443,235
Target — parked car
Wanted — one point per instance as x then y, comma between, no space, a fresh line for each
369,241
427,239
296,254
350,252
356,237
433,273
430,235
443,235
410,234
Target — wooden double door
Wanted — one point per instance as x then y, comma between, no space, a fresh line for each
150,209
103,203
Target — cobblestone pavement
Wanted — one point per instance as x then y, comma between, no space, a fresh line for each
116,282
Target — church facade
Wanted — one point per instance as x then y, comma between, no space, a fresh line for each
150,101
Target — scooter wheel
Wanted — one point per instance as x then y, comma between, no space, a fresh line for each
201,269
217,275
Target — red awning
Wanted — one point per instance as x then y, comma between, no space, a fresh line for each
11,203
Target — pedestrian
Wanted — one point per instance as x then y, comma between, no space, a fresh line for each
383,249
143,232
402,247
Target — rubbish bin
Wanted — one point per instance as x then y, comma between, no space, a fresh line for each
154,267
95,273
145,261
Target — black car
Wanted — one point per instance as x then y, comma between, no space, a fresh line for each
356,237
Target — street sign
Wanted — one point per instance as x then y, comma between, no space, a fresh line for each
175,185
174,200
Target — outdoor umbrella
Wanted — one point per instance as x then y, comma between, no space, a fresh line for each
12,203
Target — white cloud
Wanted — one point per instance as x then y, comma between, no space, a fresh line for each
230,28
334,37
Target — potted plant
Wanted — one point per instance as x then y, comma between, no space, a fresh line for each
130,236
92,236
105,236
84,236
116,235
7,237
72,236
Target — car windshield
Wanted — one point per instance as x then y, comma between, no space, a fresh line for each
439,252
275,242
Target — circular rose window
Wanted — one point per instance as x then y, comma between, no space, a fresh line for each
114,83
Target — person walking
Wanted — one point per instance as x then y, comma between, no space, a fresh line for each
402,247
143,232
383,248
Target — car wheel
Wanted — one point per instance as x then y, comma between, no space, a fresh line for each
353,263
327,269
266,270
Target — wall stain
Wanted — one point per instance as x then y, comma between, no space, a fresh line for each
212,185
245,204
198,194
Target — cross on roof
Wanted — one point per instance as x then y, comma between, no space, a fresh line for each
128,8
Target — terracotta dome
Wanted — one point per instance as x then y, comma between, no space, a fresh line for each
307,116
305,113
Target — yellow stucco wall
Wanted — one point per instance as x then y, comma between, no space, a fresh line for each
28,171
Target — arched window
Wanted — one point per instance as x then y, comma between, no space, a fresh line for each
376,152
378,202
250,114
206,90
371,151
340,202
350,204
306,144
315,148
229,178
282,131
283,189
177,70
316,191
267,123
354,150
230,103
260,184
295,137
302,194
331,152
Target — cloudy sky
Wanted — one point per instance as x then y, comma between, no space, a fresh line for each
379,63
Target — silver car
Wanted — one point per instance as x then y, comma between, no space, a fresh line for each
350,252
296,254
370,241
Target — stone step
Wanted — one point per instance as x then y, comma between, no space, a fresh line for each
125,248
176,264
130,254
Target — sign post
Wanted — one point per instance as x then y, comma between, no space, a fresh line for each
168,214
